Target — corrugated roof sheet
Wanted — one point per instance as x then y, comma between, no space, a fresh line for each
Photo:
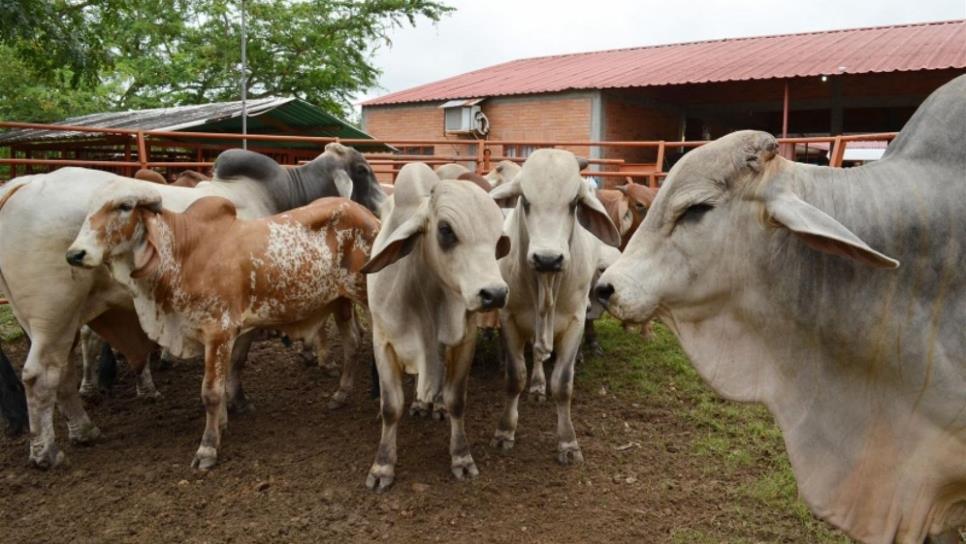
214,117
926,46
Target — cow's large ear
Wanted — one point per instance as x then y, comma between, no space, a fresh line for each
401,242
758,149
343,183
146,253
502,246
822,232
593,217
506,194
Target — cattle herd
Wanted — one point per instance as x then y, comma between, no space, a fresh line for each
781,280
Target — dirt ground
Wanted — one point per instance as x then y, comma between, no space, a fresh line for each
294,471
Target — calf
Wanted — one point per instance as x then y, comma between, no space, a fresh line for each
203,277
433,267
552,261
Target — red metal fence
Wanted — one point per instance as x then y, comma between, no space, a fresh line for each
134,149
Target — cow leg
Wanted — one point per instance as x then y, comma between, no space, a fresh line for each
538,382
90,345
79,426
46,363
238,403
459,358
13,402
391,402
516,377
345,320
590,339
218,351
428,399
120,329
562,387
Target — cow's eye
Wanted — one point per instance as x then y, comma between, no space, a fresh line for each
447,238
694,213
125,206
641,208
526,204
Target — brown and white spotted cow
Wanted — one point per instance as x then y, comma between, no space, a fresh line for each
203,277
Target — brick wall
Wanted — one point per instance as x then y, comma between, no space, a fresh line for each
544,117
626,119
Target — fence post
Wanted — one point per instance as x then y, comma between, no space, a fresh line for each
142,150
659,165
837,153
480,156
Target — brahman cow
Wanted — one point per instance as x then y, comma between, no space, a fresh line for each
552,261
617,205
451,170
503,172
189,178
52,300
780,281
433,266
640,198
146,174
287,271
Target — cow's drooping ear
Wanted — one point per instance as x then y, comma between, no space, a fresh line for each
822,232
150,202
582,163
343,183
758,148
502,246
505,195
593,217
401,242
146,253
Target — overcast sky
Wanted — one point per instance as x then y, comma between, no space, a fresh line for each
482,33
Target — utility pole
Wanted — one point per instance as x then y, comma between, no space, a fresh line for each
244,79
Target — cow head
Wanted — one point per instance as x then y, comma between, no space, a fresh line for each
552,198
710,222
639,199
503,172
352,175
116,224
458,231
618,206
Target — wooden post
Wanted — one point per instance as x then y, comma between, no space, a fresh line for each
837,153
658,165
487,153
127,157
480,146
142,150
788,150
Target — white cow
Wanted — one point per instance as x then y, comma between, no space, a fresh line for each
433,267
552,261
779,280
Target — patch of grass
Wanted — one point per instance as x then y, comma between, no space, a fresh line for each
9,328
743,437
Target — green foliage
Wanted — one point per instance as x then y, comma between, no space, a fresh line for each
9,328
68,57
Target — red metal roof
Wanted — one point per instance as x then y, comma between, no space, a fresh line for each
926,46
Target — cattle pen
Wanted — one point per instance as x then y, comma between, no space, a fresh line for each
132,149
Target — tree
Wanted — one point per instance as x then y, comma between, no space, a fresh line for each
69,57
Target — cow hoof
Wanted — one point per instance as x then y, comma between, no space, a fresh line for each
503,440
85,436
464,468
420,409
89,391
439,412
47,458
149,395
537,395
204,459
380,478
339,400
570,455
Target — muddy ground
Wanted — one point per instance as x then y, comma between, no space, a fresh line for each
294,471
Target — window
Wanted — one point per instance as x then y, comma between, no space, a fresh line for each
520,151
416,150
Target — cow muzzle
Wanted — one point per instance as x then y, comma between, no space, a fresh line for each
547,261
80,258
492,298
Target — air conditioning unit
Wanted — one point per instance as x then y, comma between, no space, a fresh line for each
465,117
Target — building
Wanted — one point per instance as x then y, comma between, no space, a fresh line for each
173,135
836,82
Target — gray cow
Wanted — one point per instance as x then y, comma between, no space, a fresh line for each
765,270
433,266
552,260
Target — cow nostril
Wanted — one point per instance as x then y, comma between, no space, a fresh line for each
604,291
493,297
548,263
76,256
